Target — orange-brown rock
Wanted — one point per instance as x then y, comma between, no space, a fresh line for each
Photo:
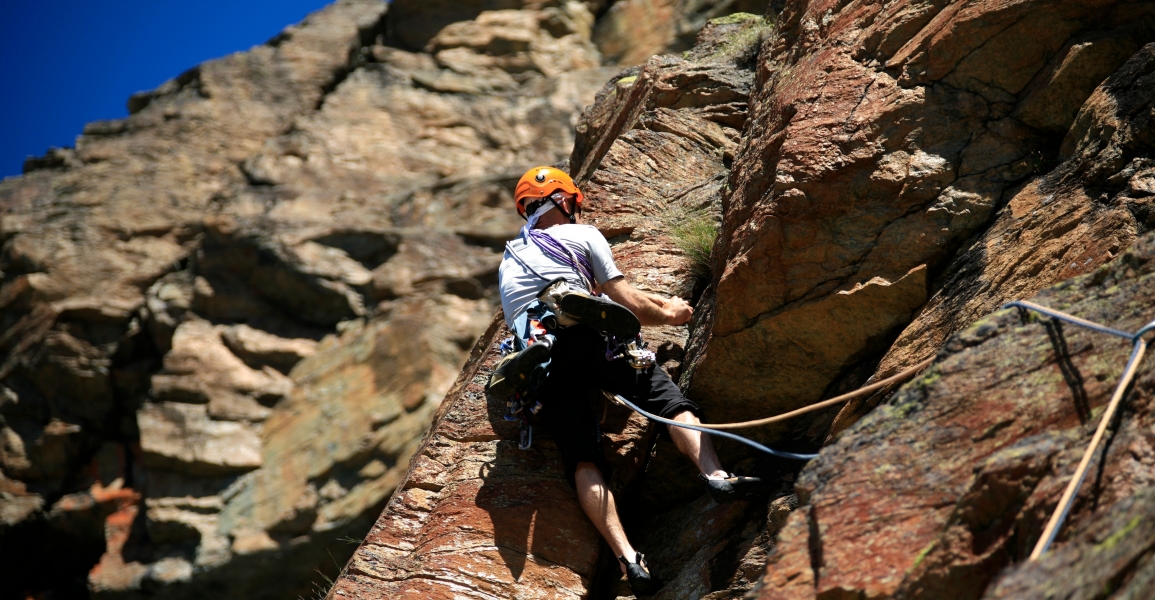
229,318
938,490
634,30
1115,546
257,287
1066,222
883,138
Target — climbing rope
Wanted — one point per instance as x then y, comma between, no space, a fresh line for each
1138,349
716,428
1062,316
737,438
823,404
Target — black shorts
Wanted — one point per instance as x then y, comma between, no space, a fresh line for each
578,368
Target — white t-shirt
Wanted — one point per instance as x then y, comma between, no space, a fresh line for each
518,282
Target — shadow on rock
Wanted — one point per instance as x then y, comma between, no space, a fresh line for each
534,512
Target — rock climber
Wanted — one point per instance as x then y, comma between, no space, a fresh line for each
576,324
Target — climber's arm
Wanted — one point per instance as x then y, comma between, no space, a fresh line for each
650,309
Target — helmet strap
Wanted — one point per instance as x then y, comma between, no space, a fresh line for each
572,216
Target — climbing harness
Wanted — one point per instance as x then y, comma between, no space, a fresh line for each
537,326
1138,349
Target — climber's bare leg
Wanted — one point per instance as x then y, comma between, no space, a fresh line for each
696,445
598,502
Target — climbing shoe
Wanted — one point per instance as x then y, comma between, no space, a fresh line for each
514,373
601,313
572,306
642,583
730,488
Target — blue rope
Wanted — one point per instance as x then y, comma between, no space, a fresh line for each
1137,349
738,438
1148,327
1068,318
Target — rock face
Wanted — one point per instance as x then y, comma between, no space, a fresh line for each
883,139
673,27
899,171
905,169
228,318
1085,211
934,493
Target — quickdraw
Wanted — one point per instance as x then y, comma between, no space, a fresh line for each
634,351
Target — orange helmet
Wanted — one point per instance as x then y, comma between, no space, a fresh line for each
540,182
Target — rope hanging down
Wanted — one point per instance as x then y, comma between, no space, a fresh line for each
1138,349
737,438
823,404
715,428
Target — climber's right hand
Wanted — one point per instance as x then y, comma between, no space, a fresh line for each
678,311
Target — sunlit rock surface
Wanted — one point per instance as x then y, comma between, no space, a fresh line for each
884,140
946,486
229,317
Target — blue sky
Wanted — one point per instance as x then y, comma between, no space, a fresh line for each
64,63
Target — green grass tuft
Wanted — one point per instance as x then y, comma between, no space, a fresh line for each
925,552
738,17
319,590
743,44
694,234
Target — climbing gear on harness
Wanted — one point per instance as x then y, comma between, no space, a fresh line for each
730,488
526,354
523,368
515,372
542,182
642,582
634,351
514,380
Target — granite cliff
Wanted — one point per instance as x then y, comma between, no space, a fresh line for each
885,176
230,318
